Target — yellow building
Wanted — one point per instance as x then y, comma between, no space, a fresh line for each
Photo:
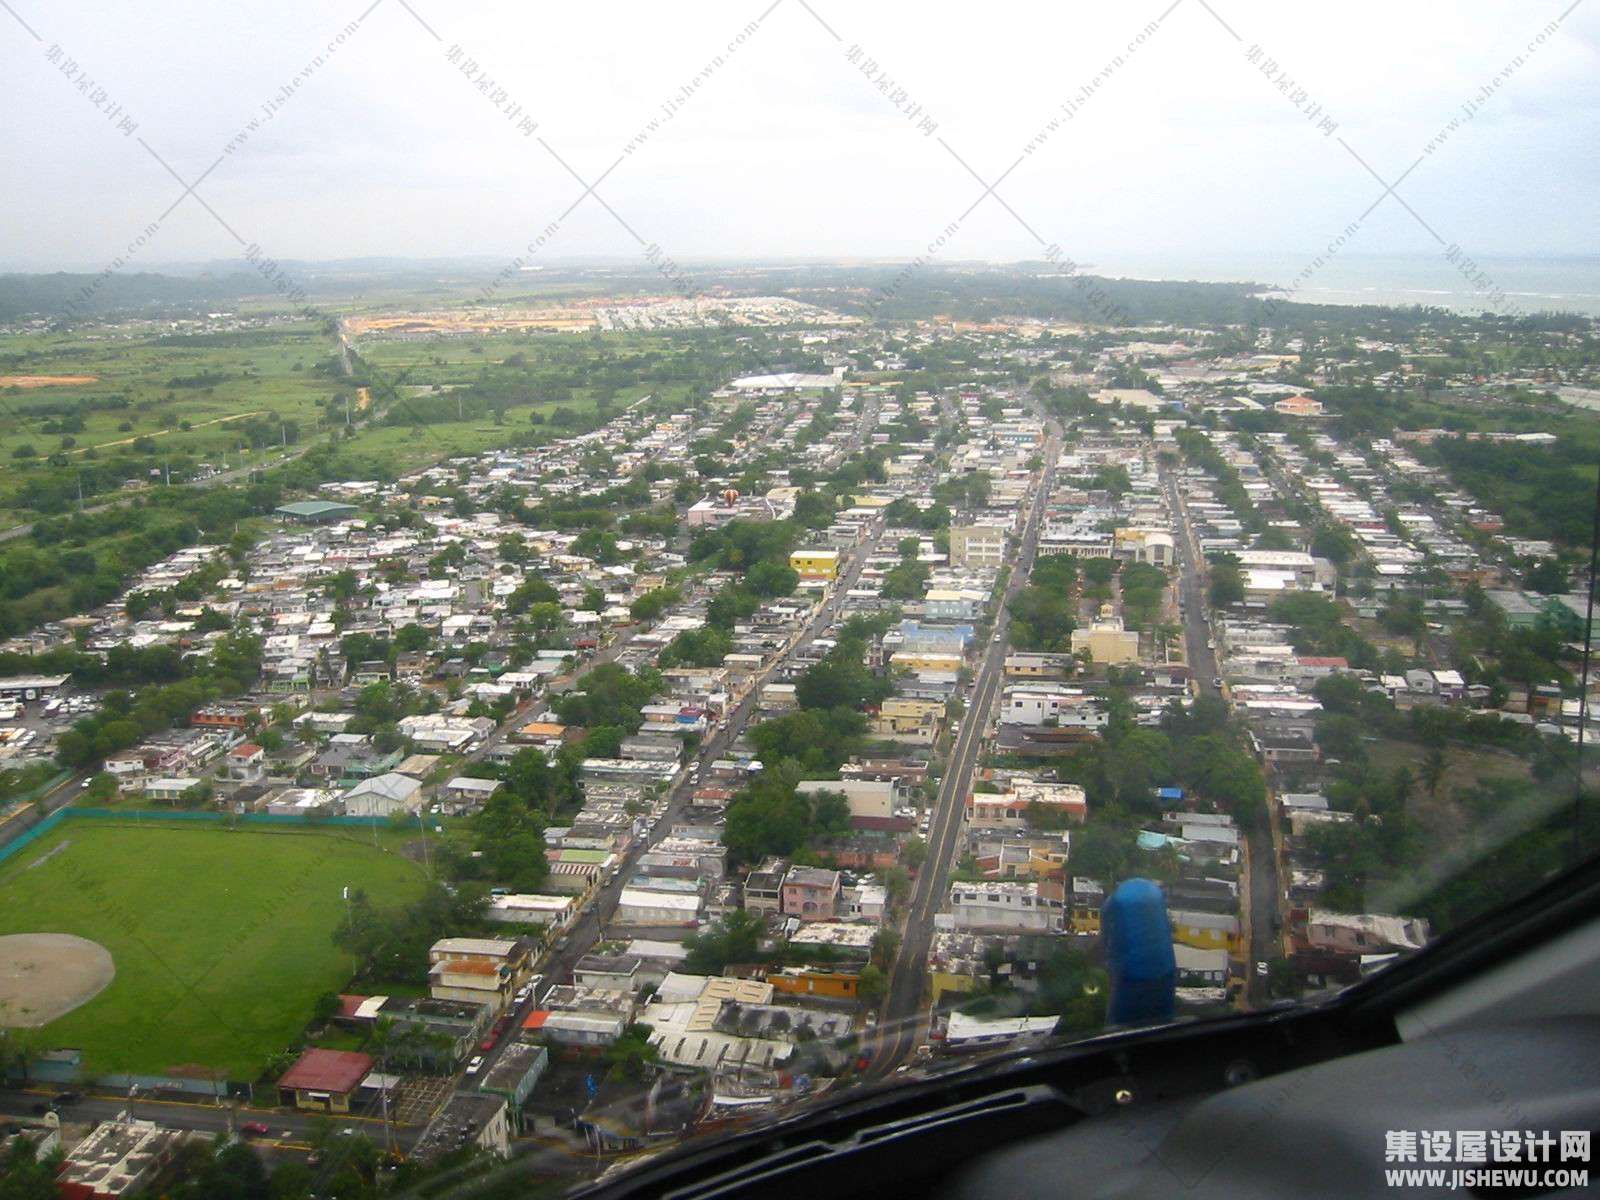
816,564
1205,931
814,981
977,546
909,720
942,982
1036,666
1107,641
919,660
1153,546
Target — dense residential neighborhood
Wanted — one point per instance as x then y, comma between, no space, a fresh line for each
745,751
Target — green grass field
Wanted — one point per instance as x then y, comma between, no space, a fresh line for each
221,939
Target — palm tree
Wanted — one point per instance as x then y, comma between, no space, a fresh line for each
385,1037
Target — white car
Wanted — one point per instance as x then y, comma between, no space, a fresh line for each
475,1065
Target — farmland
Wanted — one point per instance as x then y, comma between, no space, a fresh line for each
154,399
221,938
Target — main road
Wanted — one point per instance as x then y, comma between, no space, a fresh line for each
1259,843
900,1018
590,927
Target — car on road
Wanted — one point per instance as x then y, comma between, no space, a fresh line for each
488,1043
254,1128
1261,967
1217,683
66,1098
475,1065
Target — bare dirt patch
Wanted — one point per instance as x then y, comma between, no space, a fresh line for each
39,381
46,975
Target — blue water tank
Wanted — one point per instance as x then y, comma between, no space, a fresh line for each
1139,957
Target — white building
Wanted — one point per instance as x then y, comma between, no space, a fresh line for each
1012,907
383,796
639,907
1035,704
867,797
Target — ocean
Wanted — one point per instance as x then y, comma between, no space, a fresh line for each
1500,284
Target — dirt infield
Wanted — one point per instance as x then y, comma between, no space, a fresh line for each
47,975
39,381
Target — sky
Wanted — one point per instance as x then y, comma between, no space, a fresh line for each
1179,130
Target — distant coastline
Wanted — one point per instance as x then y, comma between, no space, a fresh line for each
1555,284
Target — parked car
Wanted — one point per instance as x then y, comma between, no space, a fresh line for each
254,1128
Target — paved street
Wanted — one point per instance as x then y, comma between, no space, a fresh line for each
1263,861
590,927
901,1019
288,1130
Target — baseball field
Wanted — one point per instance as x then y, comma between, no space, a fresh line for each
219,940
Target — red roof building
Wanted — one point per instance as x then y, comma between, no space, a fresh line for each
324,1080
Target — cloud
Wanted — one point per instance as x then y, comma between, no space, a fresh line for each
771,140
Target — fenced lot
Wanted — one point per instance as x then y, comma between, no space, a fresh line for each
220,938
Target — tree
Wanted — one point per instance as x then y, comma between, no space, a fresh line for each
1227,583
735,938
653,603
411,638
1434,767
885,943
1547,577
772,579
631,1054
871,984
25,1176
325,1008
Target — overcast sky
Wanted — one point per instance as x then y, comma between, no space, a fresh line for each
789,148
